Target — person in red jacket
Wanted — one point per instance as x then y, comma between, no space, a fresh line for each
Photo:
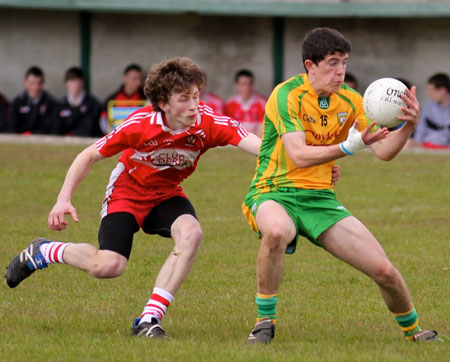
246,106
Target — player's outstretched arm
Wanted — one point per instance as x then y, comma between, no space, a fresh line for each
251,144
388,148
76,173
306,156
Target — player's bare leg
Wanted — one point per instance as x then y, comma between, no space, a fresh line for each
41,252
187,235
98,263
277,231
350,241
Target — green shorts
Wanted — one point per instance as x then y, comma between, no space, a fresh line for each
312,211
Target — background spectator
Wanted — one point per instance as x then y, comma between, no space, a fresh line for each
79,112
351,81
246,106
4,112
130,90
210,98
34,110
434,126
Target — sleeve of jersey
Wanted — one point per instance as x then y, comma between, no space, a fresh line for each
363,120
227,131
124,136
283,110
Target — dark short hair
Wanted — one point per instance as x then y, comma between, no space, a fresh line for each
440,80
243,73
174,75
350,77
320,42
132,66
405,82
74,73
34,70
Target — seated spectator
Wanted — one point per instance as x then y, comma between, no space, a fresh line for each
408,85
405,82
130,90
351,81
246,106
433,130
211,99
34,110
78,112
4,112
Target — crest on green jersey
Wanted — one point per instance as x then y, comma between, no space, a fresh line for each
324,102
341,117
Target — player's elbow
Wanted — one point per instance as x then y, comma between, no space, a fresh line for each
302,162
385,156
90,154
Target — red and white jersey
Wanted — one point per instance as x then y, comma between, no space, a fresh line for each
215,102
248,113
157,156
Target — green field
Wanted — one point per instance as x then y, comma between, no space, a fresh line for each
327,311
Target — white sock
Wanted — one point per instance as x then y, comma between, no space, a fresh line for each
53,251
157,305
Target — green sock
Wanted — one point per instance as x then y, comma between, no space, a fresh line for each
266,306
409,323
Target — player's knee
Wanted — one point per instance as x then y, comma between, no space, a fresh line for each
385,273
276,238
110,267
190,240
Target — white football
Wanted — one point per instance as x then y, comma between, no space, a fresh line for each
382,102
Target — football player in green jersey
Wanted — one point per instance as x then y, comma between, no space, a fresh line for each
311,120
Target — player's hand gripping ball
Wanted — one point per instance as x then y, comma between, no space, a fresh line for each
382,102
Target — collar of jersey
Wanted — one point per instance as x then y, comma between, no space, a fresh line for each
159,121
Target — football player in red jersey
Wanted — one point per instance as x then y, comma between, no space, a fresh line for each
160,146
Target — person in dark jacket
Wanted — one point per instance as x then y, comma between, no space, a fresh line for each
34,110
78,111
4,112
131,90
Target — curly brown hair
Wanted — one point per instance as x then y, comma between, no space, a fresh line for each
175,75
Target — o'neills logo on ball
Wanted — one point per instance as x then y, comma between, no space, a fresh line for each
393,96
395,92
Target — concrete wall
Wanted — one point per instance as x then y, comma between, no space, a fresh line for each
220,45
409,48
48,39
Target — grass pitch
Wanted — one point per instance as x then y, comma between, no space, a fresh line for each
327,310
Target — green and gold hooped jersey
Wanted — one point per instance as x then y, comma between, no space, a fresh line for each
295,106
